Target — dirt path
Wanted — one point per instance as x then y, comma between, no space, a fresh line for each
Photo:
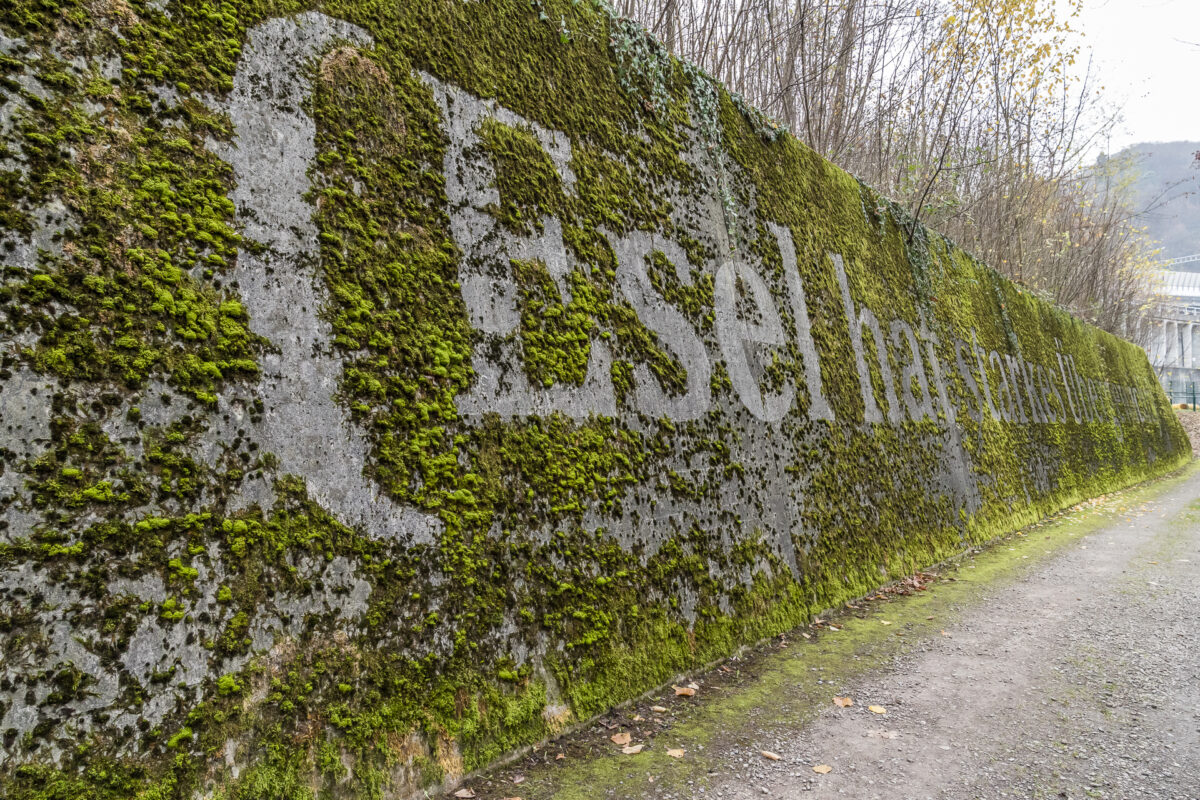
1081,679
1063,663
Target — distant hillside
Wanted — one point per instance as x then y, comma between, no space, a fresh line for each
1169,185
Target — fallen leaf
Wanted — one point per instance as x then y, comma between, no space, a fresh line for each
518,779
621,738
884,622
675,752
560,756
693,685
767,754
834,628
511,798
877,709
684,691
929,617
659,709
638,718
822,769
806,636
464,793
632,749
843,702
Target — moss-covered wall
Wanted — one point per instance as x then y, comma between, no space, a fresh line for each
387,385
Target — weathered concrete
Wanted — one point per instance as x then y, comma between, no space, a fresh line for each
432,406
1054,665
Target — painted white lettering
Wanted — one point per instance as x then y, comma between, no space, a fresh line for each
859,319
818,406
735,332
911,369
672,328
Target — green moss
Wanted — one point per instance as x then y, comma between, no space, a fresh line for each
555,338
542,518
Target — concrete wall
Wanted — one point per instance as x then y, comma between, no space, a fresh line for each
387,388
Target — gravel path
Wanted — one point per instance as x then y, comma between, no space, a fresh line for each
1080,679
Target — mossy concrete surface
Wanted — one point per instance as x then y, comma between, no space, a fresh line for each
782,684
386,387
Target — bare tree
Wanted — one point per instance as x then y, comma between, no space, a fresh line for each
969,113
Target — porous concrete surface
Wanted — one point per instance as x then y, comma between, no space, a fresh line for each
1078,678
274,148
708,518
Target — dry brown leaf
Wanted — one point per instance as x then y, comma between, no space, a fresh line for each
621,738
834,628
560,756
675,752
877,709
511,798
822,769
632,749
659,709
464,793
684,691
771,756
638,718
843,702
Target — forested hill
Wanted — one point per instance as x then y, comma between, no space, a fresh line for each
1168,183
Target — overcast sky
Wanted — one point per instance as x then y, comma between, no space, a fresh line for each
1147,53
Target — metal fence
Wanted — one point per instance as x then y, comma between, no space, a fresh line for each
1182,392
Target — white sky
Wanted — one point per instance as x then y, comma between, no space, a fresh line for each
1147,54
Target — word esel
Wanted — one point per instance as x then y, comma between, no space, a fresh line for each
1019,391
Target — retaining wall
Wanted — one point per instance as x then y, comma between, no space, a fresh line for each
388,386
